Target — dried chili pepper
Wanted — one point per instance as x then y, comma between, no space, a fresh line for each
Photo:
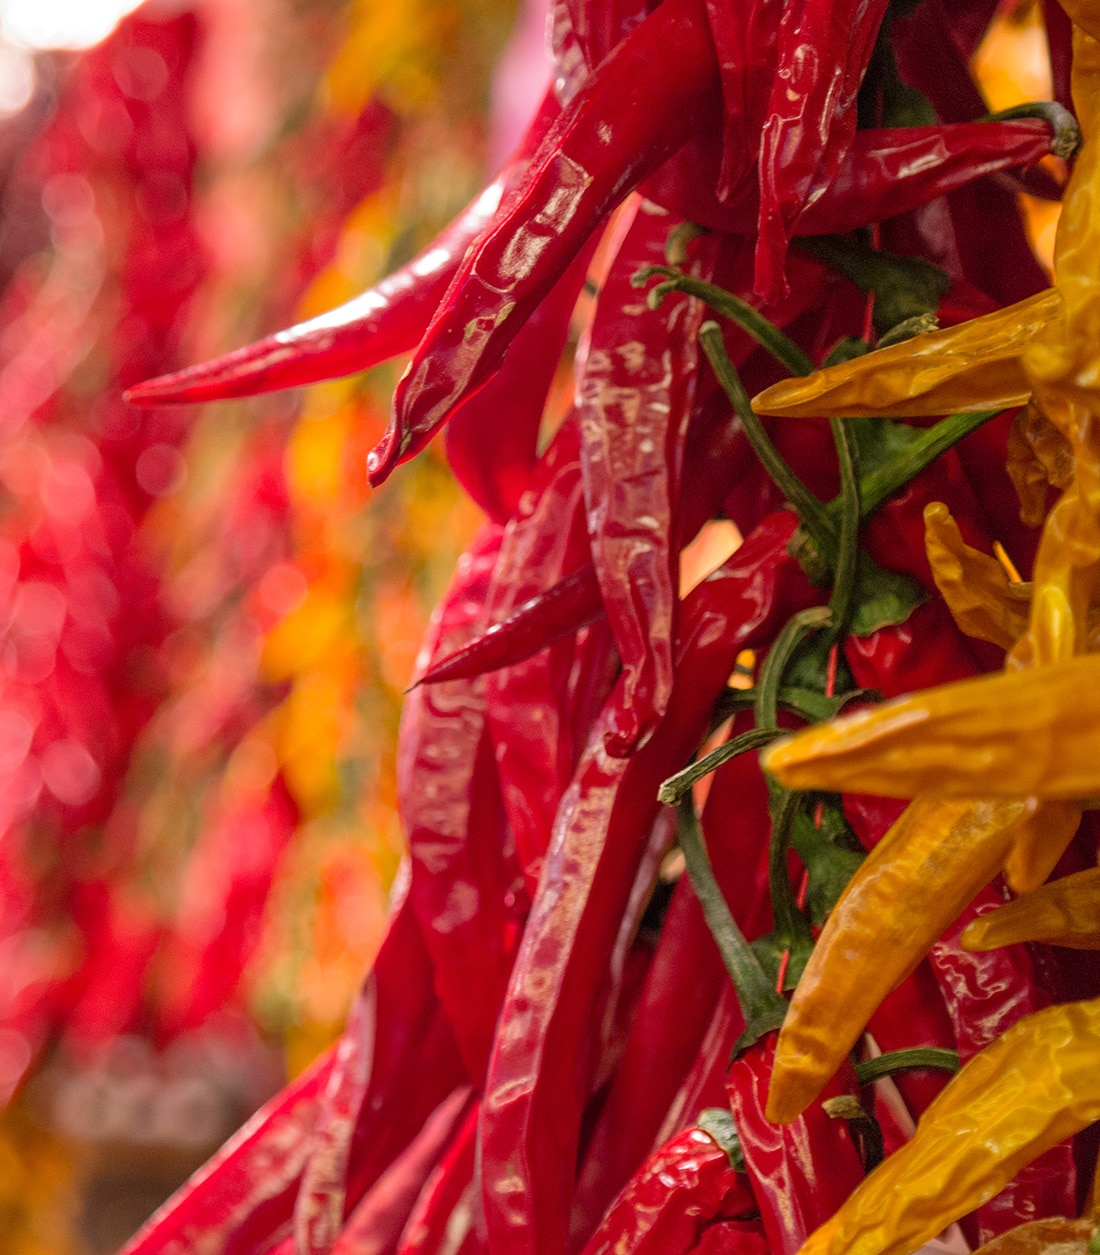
642,104
382,322
1030,1089
535,1090
682,1187
1023,733
1064,912
811,117
636,393
908,889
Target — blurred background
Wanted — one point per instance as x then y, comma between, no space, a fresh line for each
204,631
205,627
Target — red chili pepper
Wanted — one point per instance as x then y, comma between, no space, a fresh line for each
396,1062
985,994
467,884
886,172
631,115
635,394
536,1090
380,1219
444,1206
802,1172
811,116
673,1018
598,27
382,322
681,1188
244,1196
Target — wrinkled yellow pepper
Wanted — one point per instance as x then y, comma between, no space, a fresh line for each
1033,1087
1065,912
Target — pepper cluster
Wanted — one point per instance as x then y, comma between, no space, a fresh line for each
576,1035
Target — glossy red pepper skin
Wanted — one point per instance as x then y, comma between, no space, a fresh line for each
636,393
446,1194
887,171
492,438
811,116
539,1077
674,1016
562,610
466,885
644,102
396,1062
380,1218
541,708
244,1197
800,1172
985,994
663,1210
384,321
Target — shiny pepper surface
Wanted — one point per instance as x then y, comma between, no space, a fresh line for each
1065,912
1032,1088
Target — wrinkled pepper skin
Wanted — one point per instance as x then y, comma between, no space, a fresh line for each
1032,1088
639,108
985,995
1023,733
467,883
636,393
681,1188
904,894
800,1173
538,1079
1063,912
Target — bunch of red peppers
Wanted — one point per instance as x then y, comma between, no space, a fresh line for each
568,1038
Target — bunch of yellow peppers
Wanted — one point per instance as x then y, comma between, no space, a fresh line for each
997,770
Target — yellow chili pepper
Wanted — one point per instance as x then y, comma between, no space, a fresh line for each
1040,842
974,366
1058,1235
982,599
1065,912
1030,1089
905,893
1017,734
1039,457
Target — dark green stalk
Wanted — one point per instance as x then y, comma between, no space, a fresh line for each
761,1006
905,1060
674,788
881,484
791,926
794,630
751,321
844,573
811,511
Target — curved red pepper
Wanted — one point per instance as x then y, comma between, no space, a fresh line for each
536,1091
641,105
801,1172
986,993
243,1197
382,322
822,50
681,1188
436,1213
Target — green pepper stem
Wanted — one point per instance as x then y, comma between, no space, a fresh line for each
811,510
844,575
761,1006
903,1060
794,630
881,484
751,321
674,788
